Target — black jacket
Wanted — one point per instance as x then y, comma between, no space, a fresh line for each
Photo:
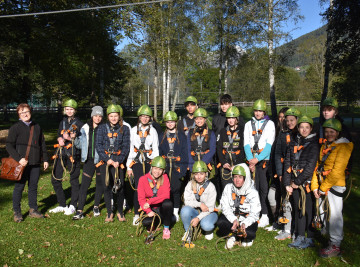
189,122
223,144
219,122
282,144
16,143
306,162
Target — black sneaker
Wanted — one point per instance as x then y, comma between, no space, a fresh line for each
78,216
96,211
18,217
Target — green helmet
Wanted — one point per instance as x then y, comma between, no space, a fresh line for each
70,103
144,110
232,112
293,112
159,162
239,170
333,124
305,119
330,101
259,105
191,99
199,166
170,116
121,110
200,112
112,109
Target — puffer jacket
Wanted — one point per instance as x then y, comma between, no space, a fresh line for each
251,205
335,163
306,162
282,143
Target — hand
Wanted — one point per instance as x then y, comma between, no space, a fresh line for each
227,166
235,225
253,161
280,178
151,214
61,141
115,164
204,208
46,165
316,193
130,173
243,227
252,168
146,206
110,162
293,185
72,135
23,162
66,136
289,189
322,193
194,222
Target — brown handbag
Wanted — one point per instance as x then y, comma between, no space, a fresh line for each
10,168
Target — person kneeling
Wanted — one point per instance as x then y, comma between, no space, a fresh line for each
240,204
154,195
199,198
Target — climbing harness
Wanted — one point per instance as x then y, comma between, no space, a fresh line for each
170,155
140,228
230,152
186,128
141,151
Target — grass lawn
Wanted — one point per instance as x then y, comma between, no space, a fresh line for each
60,241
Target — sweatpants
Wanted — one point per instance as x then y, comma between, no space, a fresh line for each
138,172
165,211
74,180
303,223
31,175
262,184
225,228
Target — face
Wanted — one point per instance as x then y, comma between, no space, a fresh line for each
281,117
331,135
144,119
238,180
156,172
224,106
291,122
114,118
200,121
97,119
191,108
232,121
329,112
24,114
70,112
259,114
305,129
171,125
200,177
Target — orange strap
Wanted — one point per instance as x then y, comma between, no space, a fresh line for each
242,200
288,139
68,146
209,166
99,164
56,145
132,164
171,140
264,165
140,133
218,166
289,169
282,160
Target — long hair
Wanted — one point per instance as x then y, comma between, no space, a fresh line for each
176,136
193,136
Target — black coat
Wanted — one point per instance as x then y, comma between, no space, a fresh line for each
280,151
307,161
219,122
223,141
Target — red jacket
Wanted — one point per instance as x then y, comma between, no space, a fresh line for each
145,192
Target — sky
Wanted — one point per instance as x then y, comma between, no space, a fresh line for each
310,9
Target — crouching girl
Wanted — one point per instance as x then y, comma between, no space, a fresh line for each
240,205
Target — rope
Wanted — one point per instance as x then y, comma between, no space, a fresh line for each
140,228
302,200
58,154
170,162
350,187
131,181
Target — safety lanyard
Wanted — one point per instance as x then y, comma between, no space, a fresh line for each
186,128
238,200
171,138
257,134
112,134
201,190
155,187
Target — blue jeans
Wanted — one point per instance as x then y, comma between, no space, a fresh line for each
207,223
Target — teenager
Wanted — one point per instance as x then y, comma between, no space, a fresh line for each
188,122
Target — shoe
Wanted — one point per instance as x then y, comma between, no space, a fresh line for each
112,205
120,218
330,251
209,236
230,242
323,231
78,216
58,209
136,217
124,205
35,214
176,214
109,218
218,208
166,233
96,211
184,236
283,235
70,210
18,217
264,221
297,242
308,242
274,227
246,243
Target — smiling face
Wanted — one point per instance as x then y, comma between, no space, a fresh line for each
232,121
305,129
114,118
200,121
330,134
144,119
281,117
238,180
170,125
70,112
291,122
24,114
97,119
259,114
200,177
156,172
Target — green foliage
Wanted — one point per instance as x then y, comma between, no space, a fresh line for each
287,82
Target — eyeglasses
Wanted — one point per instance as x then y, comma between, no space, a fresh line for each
24,112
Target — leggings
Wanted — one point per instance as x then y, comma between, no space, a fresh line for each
303,223
175,187
165,211
262,185
138,172
225,228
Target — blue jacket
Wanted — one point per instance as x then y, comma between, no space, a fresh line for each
180,149
83,143
122,143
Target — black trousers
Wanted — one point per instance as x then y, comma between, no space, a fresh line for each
88,172
175,187
262,184
138,172
31,175
225,228
74,181
303,223
108,193
165,211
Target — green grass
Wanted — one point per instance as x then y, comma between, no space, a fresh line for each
59,241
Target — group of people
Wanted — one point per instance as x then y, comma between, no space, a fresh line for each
285,171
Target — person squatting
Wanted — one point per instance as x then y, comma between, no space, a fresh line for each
306,166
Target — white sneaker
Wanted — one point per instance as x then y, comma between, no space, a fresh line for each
247,243
176,214
218,208
124,205
230,243
136,217
209,236
70,210
264,221
269,228
184,236
58,209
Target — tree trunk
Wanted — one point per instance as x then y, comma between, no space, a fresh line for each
226,72
168,80
220,66
164,87
271,61
155,86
